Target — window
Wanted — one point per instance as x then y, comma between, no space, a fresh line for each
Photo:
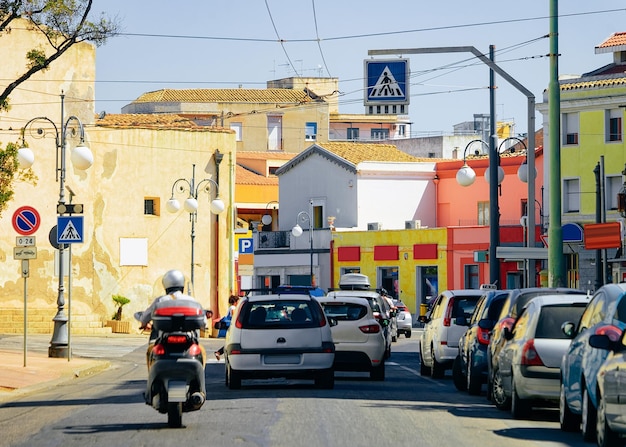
613,125
401,130
570,128
471,276
353,133
380,134
318,216
614,185
483,213
237,127
571,195
151,206
310,131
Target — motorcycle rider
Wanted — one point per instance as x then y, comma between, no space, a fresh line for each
174,283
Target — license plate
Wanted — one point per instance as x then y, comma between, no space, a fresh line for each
289,359
177,391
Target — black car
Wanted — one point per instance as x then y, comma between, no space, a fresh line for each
469,370
515,302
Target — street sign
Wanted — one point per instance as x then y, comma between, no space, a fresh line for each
24,252
26,220
387,82
69,229
245,246
25,241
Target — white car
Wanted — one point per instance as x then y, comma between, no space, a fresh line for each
360,342
404,318
439,344
284,335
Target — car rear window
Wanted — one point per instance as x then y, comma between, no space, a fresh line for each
272,314
552,318
344,311
464,306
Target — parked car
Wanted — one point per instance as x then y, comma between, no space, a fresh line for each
280,336
611,420
392,314
357,284
439,344
360,343
515,302
404,319
605,314
469,370
530,359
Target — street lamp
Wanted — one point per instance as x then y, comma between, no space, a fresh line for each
191,205
82,159
267,218
466,175
297,232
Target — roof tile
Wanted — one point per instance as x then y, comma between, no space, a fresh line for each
230,95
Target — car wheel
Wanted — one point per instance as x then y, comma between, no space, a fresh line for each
502,401
457,374
234,378
407,334
568,420
378,372
520,408
325,379
437,370
606,437
473,381
589,415
424,370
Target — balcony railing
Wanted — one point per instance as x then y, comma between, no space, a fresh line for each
273,239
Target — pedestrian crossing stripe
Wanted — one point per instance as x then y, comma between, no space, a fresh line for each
69,229
386,86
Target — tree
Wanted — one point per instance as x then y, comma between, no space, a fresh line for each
63,23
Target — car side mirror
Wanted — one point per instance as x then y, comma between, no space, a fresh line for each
486,324
423,319
461,321
601,341
332,322
507,333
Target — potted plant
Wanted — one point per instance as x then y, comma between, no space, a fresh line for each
116,324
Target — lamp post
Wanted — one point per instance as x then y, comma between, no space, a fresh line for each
82,159
297,232
268,218
191,206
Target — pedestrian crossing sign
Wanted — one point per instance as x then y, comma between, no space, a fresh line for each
386,82
69,229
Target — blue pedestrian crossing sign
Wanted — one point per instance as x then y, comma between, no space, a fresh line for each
69,229
386,82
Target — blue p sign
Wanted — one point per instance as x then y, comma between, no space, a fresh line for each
245,246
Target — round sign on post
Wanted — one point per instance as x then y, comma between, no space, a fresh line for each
26,220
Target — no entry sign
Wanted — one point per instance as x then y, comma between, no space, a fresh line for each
26,220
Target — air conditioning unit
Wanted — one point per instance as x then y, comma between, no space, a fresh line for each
373,226
412,224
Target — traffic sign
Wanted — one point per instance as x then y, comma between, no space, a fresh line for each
24,252
69,229
25,241
387,82
26,220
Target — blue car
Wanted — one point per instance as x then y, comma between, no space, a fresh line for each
469,370
578,401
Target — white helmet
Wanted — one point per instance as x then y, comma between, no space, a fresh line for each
173,279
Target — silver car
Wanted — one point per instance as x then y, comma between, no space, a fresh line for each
530,360
611,420
404,318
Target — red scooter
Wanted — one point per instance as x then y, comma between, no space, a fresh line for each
176,360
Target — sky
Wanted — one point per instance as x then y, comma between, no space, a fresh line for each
245,43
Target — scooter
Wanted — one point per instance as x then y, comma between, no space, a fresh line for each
176,360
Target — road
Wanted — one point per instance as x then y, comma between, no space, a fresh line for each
404,410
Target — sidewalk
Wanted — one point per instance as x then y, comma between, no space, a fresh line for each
91,354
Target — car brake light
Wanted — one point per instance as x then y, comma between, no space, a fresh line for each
194,350
370,329
176,339
235,352
530,356
483,336
447,319
613,332
158,349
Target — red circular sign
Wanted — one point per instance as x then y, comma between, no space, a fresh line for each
26,220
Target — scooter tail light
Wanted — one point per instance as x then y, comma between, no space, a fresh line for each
176,339
195,350
158,349
530,356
